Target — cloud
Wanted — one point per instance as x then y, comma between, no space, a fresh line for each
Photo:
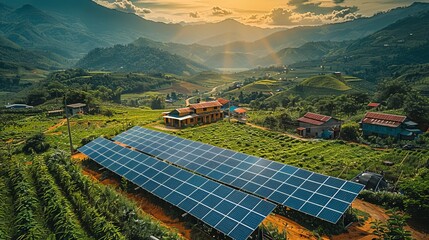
124,6
194,14
279,16
287,17
220,12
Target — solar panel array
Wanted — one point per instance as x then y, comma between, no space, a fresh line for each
232,212
315,194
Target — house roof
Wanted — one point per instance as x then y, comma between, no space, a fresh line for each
181,118
18,105
314,118
56,111
240,110
184,110
76,105
223,101
383,119
373,104
205,105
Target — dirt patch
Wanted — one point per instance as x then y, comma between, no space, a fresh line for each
145,204
78,157
54,133
294,230
165,128
59,124
364,232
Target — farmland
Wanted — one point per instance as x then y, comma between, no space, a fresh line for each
334,158
41,172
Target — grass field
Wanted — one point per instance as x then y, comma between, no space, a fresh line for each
261,86
325,81
212,79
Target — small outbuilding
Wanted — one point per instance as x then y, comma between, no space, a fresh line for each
76,108
319,126
373,105
389,125
372,181
240,114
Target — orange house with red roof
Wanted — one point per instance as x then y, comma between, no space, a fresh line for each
320,126
198,113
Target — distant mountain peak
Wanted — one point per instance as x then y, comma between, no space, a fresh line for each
32,14
28,8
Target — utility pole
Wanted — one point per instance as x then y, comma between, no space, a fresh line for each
68,125
229,111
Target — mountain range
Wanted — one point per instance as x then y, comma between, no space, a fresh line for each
67,30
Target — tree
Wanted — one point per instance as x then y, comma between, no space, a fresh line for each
241,97
271,122
285,101
284,121
395,101
157,103
417,107
36,143
350,132
273,105
36,97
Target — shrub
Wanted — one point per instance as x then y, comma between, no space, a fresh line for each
36,143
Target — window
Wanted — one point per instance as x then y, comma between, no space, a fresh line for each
192,120
215,107
204,109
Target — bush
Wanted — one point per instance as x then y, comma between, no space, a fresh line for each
387,199
350,132
36,143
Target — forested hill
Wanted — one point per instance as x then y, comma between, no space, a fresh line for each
13,56
131,58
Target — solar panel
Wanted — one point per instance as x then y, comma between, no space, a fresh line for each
315,194
232,212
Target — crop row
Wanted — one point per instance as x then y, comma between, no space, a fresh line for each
6,211
57,210
25,204
116,208
97,224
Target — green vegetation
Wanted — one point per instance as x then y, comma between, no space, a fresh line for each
274,232
132,58
325,81
25,204
393,228
334,158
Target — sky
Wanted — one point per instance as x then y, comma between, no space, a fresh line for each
263,13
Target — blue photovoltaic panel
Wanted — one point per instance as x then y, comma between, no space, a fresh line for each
234,213
315,194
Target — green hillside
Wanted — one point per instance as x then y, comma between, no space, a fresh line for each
325,81
131,58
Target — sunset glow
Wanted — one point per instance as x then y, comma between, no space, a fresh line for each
273,13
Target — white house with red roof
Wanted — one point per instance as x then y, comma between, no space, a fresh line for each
384,125
320,126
